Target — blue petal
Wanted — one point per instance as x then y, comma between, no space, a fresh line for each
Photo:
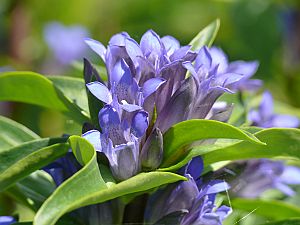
223,212
6,220
285,121
151,45
266,106
139,124
217,186
133,50
127,161
130,107
195,167
151,85
97,47
171,44
118,39
100,91
180,53
219,58
290,175
108,117
93,136
247,69
203,58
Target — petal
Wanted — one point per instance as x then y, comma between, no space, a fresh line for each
219,58
6,220
217,186
118,39
127,161
171,44
133,50
100,91
151,85
203,58
290,175
139,124
180,53
151,45
97,47
108,117
195,167
93,136
130,107
266,106
191,69
223,212
248,69
285,121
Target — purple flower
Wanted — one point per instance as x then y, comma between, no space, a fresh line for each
193,196
120,139
63,168
264,174
66,43
265,117
7,220
212,75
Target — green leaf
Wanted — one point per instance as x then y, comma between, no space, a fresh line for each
13,133
197,151
18,162
206,36
272,209
73,89
178,137
87,187
281,142
36,89
86,181
284,222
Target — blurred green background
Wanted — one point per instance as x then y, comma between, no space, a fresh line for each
267,31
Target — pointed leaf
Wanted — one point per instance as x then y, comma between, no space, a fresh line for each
284,222
73,88
36,89
280,142
13,133
272,209
18,162
206,36
178,138
87,187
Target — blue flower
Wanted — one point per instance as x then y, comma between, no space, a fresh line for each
194,197
265,117
264,174
66,43
7,220
120,139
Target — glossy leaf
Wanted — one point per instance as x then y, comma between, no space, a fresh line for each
73,89
284,222
206,36
13,133
86,187
36,89
86,181
18,162
178,137
272,209
281,142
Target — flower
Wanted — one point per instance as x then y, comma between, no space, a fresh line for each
7,220
194,198
264,174
265,117
120,139
66,43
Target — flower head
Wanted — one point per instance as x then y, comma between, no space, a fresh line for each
66,43
265,117
194,197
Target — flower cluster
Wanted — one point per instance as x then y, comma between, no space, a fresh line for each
152,86
148,91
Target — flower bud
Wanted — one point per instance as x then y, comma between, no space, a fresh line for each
152,151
